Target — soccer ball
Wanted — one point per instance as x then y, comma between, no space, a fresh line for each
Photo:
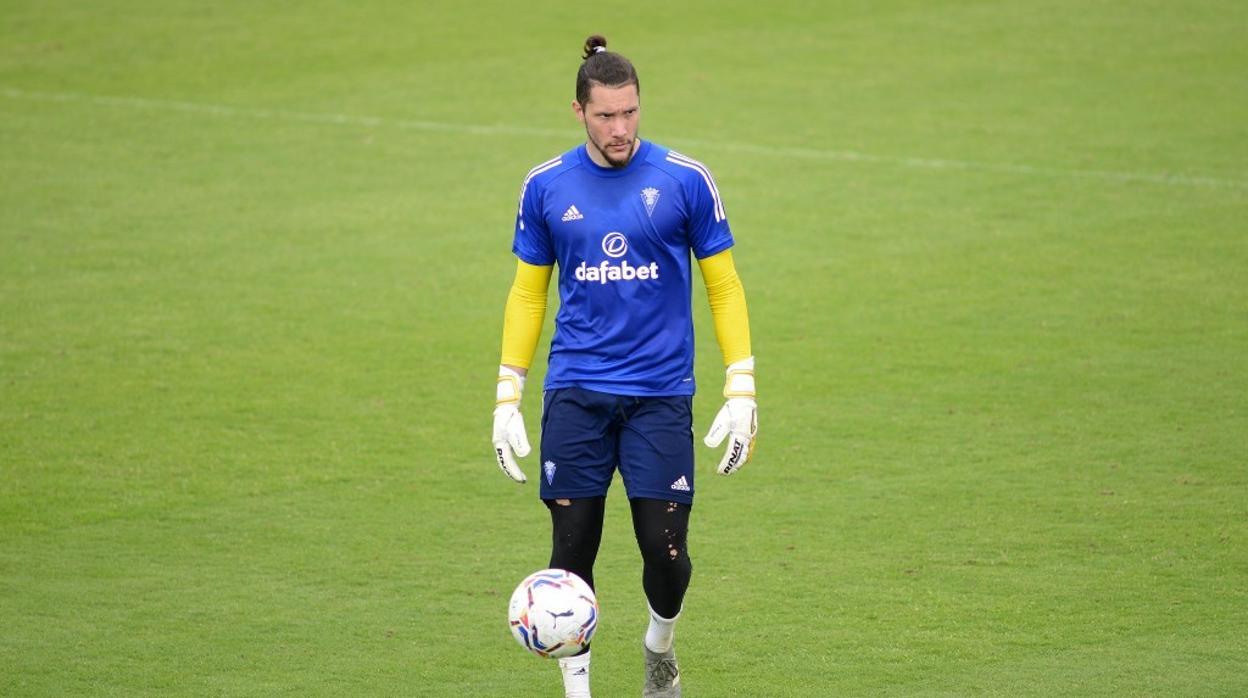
553,613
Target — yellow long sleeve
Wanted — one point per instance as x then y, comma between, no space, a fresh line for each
524,313
728,308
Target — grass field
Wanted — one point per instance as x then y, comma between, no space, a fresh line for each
253,257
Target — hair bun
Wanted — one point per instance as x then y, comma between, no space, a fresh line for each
596,43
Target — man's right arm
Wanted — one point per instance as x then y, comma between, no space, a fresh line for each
522,327
523,315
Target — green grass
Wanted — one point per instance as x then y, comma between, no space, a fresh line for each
251,283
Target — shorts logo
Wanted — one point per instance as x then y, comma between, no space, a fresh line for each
681,485
615,244
549,468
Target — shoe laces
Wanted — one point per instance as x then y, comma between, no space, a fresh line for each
662,673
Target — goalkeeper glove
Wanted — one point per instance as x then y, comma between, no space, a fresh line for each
509,435
737,419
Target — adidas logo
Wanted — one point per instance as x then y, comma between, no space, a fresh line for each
572,214
681,485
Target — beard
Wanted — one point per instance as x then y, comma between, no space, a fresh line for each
616,163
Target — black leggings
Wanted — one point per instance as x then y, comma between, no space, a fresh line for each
661,528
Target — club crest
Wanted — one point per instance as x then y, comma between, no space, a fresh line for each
650,196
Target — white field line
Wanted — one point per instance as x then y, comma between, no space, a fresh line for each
1176,179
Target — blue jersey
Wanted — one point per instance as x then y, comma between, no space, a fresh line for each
622,239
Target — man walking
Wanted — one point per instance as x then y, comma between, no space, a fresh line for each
620,217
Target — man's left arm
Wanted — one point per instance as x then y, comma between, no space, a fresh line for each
737,420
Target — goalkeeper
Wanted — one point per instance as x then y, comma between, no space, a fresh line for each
620,218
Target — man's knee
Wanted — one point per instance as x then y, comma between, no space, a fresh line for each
576,526
662,529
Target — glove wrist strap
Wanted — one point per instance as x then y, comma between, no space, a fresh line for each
740,379
510,387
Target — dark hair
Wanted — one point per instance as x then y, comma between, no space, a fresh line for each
603,67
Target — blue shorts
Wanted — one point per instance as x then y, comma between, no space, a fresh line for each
586,435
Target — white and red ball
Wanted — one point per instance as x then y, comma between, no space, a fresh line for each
553,613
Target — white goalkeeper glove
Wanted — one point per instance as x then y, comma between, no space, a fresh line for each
509,435
737,419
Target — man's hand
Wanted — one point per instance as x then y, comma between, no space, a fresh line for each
509,434
737,419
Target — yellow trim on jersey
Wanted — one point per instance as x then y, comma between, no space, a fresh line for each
728,309
524,313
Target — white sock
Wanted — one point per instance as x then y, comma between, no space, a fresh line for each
659,634
575,676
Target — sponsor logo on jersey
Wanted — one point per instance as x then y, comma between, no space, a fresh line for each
623,271
615,245
572,214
